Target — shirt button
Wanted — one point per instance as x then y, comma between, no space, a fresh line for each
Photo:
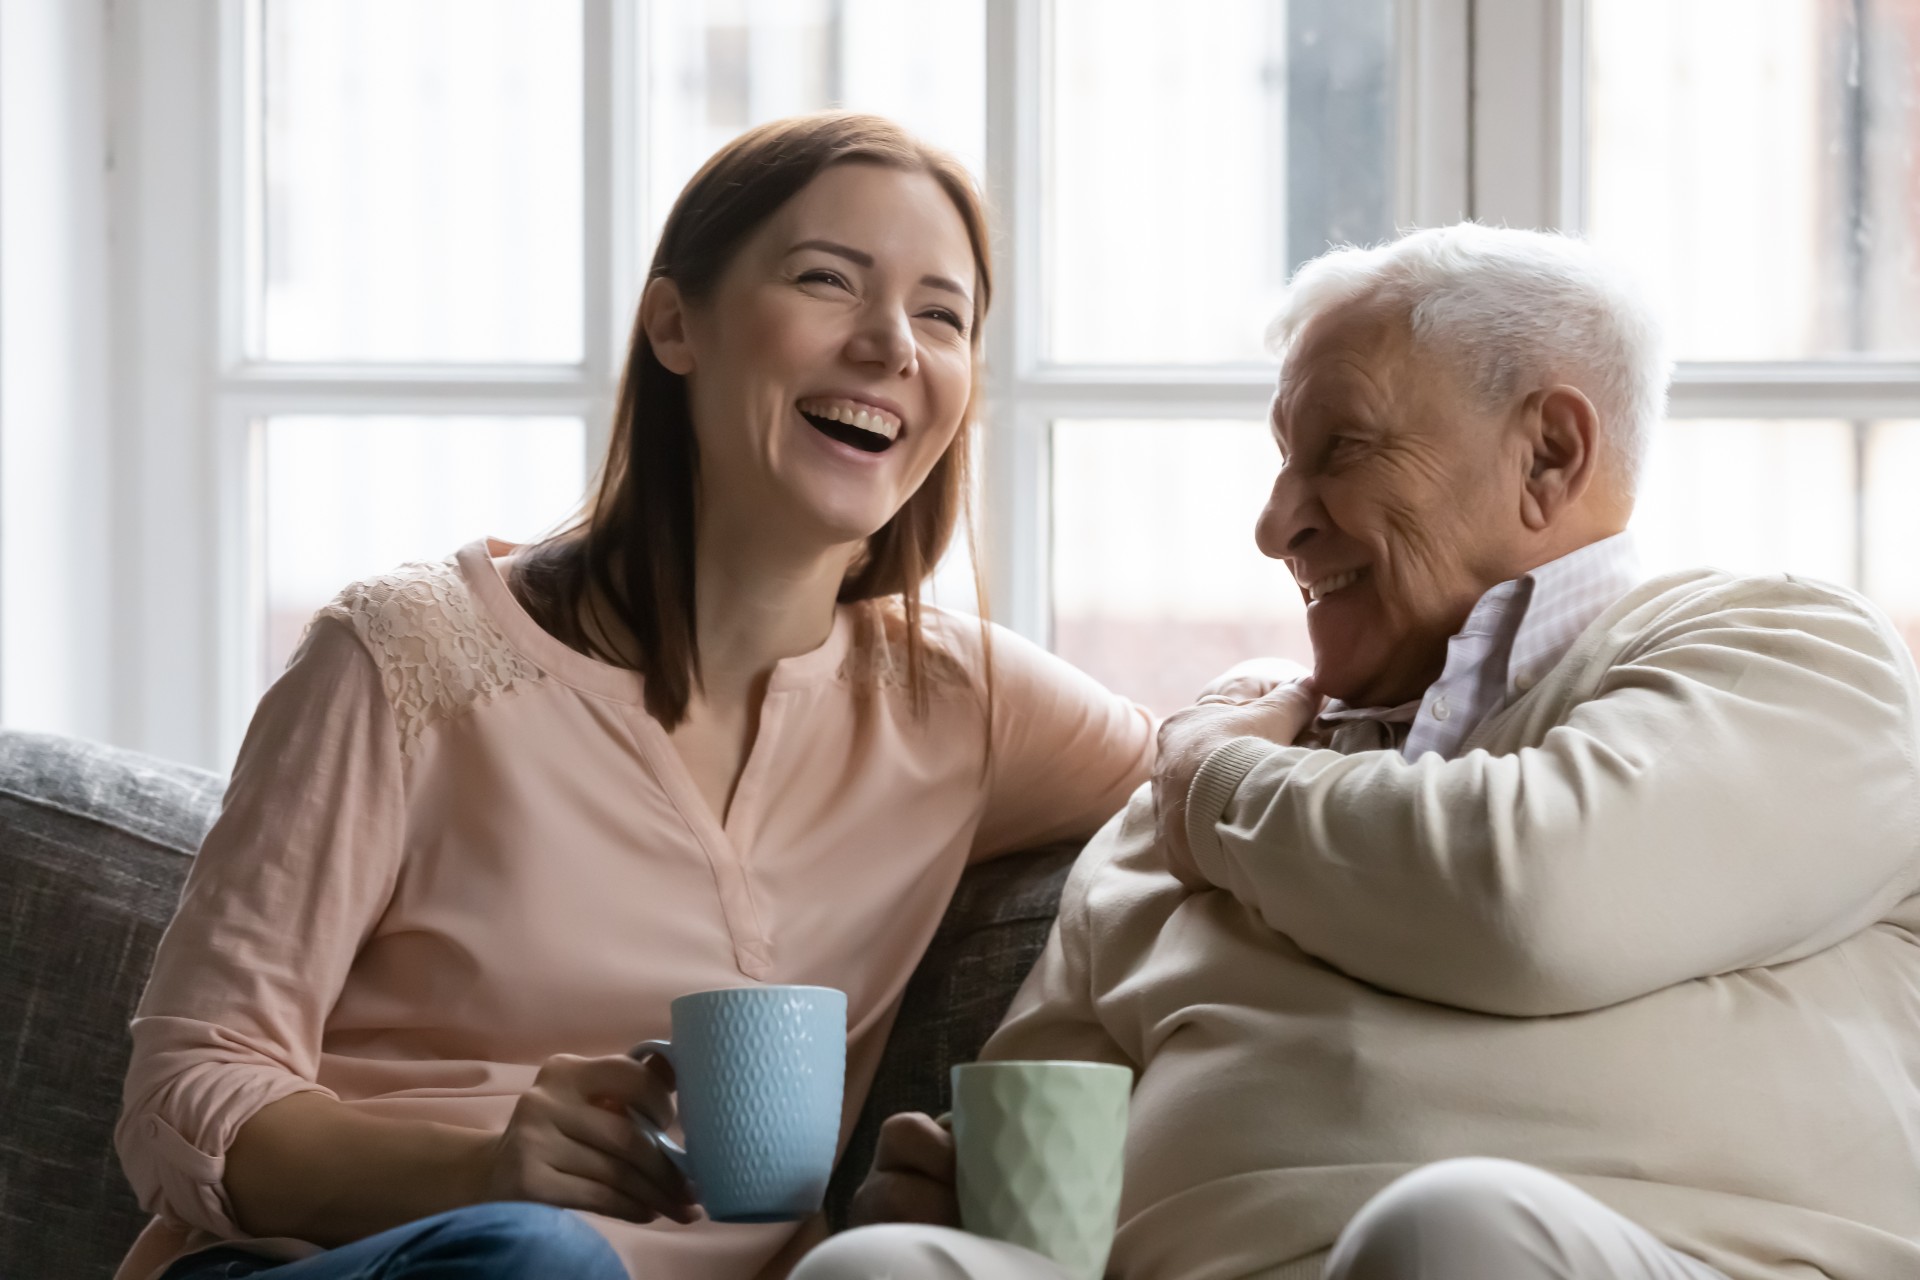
1441,708
1524,681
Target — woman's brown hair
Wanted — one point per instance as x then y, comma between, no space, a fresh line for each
632,548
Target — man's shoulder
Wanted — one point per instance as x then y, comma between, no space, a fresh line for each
1688,599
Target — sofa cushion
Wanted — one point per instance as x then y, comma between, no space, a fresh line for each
992,933
94,843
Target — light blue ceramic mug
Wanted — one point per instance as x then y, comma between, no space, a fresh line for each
760,1072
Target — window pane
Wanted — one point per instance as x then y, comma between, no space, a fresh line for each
1757,159
1754,497
1157,586
718,67
1893,523
422,185
1195,155
350,497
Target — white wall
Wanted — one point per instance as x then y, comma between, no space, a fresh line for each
56,507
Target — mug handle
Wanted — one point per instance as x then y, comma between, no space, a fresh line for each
672,1150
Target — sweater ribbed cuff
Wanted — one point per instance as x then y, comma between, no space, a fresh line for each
1212,790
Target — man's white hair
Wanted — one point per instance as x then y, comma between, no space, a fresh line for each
1516,310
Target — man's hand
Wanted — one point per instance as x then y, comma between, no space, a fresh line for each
912,1178
1188,737
1254,678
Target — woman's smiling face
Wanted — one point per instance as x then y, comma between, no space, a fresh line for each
832,363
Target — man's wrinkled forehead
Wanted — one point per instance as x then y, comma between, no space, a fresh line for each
1347,358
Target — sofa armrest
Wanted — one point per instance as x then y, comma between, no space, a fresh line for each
991,935
94,844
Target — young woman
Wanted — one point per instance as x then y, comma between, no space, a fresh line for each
500,810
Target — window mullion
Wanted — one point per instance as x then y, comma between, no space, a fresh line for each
1014,520
1524,113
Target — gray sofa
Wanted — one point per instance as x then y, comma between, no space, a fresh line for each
94,843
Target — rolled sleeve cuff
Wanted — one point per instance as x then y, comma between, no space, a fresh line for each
1212,791
179,1178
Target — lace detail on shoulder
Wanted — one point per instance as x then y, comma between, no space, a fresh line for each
438,656
877,658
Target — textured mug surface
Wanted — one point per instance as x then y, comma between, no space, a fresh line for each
759,1073
1039,1148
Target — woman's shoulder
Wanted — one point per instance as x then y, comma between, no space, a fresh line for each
959,651
437,652
953,648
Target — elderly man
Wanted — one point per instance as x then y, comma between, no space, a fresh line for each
1574,935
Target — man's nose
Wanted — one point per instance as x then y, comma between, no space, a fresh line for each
884,338
1290,519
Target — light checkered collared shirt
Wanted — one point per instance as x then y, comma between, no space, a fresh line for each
1513,637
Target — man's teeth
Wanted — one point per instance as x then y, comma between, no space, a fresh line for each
881,424
1327,586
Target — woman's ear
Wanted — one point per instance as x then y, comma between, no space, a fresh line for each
663,318
1565,441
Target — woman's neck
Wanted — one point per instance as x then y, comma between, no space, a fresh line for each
757,602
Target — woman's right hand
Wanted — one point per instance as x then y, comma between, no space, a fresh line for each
585,1137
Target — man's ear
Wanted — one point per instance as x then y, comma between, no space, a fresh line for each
1565,435
663,318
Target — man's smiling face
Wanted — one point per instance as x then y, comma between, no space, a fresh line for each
1398,502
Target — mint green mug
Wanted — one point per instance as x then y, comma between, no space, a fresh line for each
1039,1148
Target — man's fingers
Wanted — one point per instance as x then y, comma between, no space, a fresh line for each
904,1197
912,1143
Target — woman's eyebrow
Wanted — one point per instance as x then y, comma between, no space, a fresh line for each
860,258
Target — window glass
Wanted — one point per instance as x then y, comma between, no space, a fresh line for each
1195,154
420,184
1760,161
346,498
1751,497
1157,585
718,67
1893,523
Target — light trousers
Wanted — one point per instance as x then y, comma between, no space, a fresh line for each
1470,1219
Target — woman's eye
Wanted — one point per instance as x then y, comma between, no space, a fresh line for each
820,275
945,316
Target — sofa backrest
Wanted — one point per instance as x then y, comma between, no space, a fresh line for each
94,843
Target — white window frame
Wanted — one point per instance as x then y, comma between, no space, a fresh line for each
1489,126
190,401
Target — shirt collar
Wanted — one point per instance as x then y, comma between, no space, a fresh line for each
1567,595
1543,610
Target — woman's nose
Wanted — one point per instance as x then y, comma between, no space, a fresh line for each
885,338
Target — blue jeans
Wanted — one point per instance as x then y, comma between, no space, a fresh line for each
481,1242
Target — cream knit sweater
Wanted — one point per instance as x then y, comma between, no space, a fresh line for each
1655,930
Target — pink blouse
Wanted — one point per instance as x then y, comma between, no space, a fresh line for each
453,847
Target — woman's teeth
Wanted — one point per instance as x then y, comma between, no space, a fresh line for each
1327,586
877,426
